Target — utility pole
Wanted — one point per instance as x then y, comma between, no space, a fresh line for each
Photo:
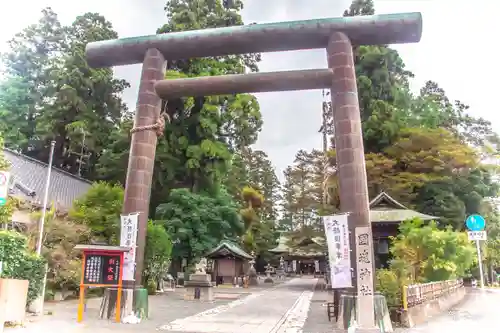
45,199
37,305
82,150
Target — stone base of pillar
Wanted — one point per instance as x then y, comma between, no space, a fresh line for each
349,314
199,287
133,302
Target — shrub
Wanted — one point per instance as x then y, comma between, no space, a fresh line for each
157,253
60,237
388,284
20,263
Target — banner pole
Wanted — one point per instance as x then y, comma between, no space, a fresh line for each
480,263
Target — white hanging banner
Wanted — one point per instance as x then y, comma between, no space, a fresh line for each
339,250
128,238
364,270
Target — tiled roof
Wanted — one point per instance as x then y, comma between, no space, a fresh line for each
384,208
229,247
283,247
29,181
398,215
384,199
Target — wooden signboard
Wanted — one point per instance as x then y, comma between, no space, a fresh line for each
102,269
102,266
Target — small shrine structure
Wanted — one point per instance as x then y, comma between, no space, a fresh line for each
386,214
308,257
229,262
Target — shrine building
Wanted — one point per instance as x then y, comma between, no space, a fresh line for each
386,213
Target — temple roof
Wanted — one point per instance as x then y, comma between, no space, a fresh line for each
284,248
226,248
384,208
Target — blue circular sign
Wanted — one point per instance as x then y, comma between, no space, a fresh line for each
475,223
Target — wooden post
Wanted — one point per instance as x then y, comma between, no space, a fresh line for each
81,302
405,298
119,291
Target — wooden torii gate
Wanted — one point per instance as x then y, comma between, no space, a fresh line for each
336,35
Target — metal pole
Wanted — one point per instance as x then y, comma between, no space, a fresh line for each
82,150
480,263
45,199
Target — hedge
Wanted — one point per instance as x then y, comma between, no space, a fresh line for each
21,263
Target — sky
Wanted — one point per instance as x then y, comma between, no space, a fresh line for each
454,52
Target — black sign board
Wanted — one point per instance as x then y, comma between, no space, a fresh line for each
102,269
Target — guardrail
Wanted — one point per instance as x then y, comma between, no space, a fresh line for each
420,293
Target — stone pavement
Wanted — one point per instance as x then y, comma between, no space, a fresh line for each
291,307
278,309
283,309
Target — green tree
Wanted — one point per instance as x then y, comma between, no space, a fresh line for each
253,202
157,254
383,87
19,262
491,248
433,109
254,169
61,235
303,189
197,222
100,210
424,253
196,150
50,93
423,167
7,209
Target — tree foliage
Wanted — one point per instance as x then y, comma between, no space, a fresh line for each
252,168
303,190
100,210
197,222
7,209
203,132
61,235
50,93
158,252
19,262
423,149
424,253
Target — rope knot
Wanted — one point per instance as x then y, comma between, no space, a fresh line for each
158,126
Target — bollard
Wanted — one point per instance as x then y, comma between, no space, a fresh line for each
405,298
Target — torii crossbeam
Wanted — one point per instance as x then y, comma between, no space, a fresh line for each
336,35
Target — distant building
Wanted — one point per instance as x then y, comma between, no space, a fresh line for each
28,177
386,214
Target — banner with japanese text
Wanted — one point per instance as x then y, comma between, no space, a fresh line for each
128,238
339,250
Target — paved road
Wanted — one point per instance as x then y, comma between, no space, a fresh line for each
280,309
283,309
293,307
480,313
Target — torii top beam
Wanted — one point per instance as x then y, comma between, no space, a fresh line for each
268,37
